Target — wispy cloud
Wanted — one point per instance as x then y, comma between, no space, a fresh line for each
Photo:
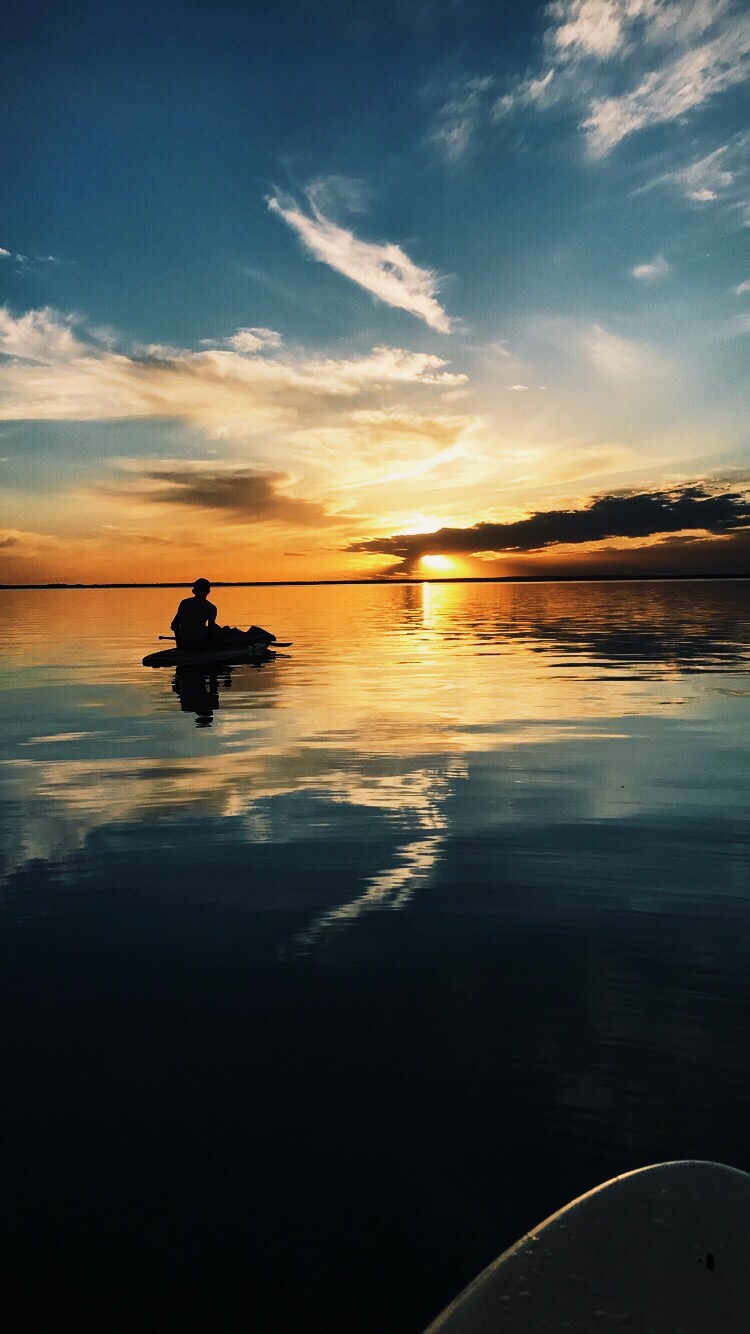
673,88
25,261
703,180
653,271
460,118
618,358
537,91
622,65
384,270
26,554
17,539
247,340
742,288
474,107
595,28
719,178
381,446
612,355
56,371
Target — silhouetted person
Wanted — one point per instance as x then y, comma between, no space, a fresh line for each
194,624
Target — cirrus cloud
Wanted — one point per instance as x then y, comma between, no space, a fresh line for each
673,89
705,178
622,65
384,270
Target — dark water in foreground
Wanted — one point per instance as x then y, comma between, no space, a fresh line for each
312,1009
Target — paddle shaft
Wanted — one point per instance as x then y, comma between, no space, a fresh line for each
273,644
271,641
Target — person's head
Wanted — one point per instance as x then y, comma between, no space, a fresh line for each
201,588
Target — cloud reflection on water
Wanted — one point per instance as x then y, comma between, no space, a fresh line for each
406,718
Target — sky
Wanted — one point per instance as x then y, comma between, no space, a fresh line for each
421,288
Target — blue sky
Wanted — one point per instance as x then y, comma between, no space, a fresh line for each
280,284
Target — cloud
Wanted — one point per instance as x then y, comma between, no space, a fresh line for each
18,539
518,388
39,335
27,555
672,90
742,288
383,446
716,178
652,272
384,270
588,27
460,118
26,261
236,490
635,515
613,356
55,372
626,65
618,358
248,340
703,180
533,92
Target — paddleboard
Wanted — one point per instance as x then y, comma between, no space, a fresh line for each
663,1250
183,657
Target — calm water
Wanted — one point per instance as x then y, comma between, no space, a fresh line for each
324,981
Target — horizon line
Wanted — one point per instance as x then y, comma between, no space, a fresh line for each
390,581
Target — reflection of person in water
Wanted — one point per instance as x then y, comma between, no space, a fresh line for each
194,623
198,694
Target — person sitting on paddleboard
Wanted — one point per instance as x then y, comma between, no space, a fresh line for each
195,620
195,625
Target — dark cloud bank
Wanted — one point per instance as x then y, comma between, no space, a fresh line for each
654,514
242,494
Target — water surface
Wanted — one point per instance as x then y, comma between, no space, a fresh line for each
324,981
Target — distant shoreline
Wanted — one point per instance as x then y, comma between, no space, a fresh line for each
389,583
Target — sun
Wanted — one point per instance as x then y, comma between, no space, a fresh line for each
437,562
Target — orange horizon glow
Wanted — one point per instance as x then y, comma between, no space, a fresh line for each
224,555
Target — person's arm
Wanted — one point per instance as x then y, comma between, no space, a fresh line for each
211,613
176,619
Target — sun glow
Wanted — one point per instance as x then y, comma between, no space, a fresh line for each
436,563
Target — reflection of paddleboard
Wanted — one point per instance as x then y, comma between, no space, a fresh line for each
184,657
664,1250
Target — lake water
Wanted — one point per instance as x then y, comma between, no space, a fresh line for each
323,981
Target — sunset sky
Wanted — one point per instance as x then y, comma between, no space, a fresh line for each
335,290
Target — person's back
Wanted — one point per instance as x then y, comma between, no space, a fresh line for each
195,620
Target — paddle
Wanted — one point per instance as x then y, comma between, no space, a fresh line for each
272,645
